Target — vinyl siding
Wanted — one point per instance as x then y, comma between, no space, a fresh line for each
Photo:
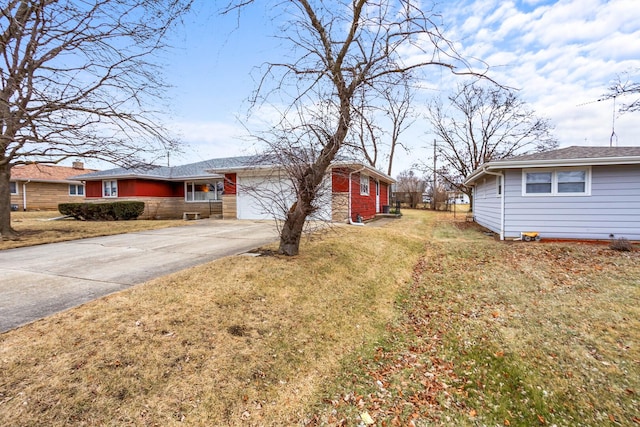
486,204
612,208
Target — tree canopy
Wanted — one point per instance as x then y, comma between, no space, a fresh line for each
79,79
481,123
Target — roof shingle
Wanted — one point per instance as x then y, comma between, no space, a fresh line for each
41,172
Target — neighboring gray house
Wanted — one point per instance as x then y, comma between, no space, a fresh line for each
569,193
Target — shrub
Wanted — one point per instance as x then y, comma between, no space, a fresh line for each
102,211
128,210
621,244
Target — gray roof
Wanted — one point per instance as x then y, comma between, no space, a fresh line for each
191,170
568,156
206,169
577,152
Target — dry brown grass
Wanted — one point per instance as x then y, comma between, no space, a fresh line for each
240,341
415,323
36,228
496,333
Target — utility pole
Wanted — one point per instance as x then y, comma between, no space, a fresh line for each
433,188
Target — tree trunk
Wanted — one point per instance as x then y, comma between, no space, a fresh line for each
6,232
291,233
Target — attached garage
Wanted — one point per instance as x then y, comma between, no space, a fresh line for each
248,187
263,197
270,196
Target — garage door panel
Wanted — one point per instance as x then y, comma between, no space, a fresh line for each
269,197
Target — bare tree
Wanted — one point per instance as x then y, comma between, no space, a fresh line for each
340,47
484,123
625,84
410,187
380,121
78,78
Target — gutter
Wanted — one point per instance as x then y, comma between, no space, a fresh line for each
501,175
349,206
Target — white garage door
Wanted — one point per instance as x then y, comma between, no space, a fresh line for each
263,197
269,197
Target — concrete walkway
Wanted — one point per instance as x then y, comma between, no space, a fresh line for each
41,280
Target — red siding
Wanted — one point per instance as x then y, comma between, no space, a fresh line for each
93,189
138,187
365,205
230,180
384,194
340,180
148,188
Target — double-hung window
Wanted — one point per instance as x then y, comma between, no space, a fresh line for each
557,182
538,182
76,190
13,187
574,181
364,185
110,188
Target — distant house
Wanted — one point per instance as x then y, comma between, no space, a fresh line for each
569,193
247,187
43,187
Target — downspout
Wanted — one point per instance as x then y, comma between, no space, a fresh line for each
349,207
501,175
24,194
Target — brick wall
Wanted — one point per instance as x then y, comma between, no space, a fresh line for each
170,207
43,195
229,206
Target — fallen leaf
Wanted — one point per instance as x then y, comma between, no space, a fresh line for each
506,422
366,418
612,418
541,419
473,413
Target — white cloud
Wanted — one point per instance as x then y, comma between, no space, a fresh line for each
560,55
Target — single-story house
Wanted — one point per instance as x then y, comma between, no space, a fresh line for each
568,193
43,187
246,187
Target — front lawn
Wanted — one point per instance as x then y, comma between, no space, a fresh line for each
424,321
40,227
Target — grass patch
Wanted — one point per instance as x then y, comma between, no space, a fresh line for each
496,333
36,228
421,322
240,341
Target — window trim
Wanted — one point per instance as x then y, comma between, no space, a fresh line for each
364,184
218,183
16,186
554,181
110,196
77,186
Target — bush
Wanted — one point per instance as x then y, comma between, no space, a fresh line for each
128,210
621,244
111,211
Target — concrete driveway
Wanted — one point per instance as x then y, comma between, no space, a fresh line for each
41,280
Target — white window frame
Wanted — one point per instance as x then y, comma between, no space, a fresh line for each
218,191
111,195
76,187
554,181
364,184
15,187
